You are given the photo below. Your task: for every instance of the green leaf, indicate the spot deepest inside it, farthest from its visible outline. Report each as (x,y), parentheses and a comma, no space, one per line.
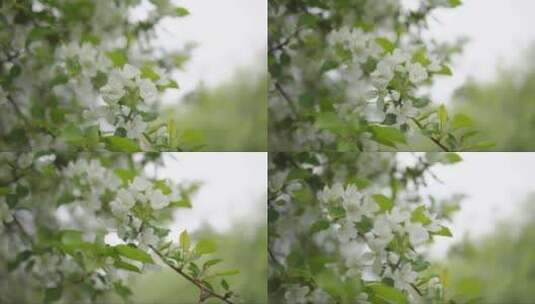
(118,57)
(173,137)
(121,144)
(72,134)
(455,3)
(162,186)
(147,72)
(307,20)
(387,136)
(445,70)
(319,226)
(387,293)
(22,191)
(126,175)
(453,158)
(15,71)
(224,284)
(205,247)
(420,56)
(126,266)
(444,231)
(181,12)
(385,203)
(71,238)
(386,44)
(442,116)
(461,121)
(53,294)
(330,121)
(12,200)
(418,216)
(4,191)
(211,263)
(21,257)
(328,65)
(224,273)
(184,240)
(134,253)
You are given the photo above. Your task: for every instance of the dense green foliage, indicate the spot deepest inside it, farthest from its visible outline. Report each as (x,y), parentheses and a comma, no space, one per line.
(352,228)
(504,107)
(355,76)
(229,117)
(85,75)
(498,267)
(57,209)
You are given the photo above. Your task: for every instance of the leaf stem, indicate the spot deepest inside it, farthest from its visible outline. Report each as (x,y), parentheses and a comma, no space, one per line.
(203,289)
(434,140)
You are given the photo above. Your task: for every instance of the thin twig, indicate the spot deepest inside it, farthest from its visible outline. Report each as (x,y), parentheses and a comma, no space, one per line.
(287,98)
(200,285)
(17,110)
(284,42)
(437,142)
(272,256)
(26,234)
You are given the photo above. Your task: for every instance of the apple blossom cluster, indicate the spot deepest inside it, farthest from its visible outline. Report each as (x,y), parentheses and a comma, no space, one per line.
(355,81)
(367,233)
(131,204)
(124,102)
(57,210)
(82,74)
(369,253)
(391,87)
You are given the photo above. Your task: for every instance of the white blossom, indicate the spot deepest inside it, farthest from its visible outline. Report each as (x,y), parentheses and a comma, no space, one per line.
(147,90)
(141,184)
(135,127)
(417,73)
(158,200)
(417,233)
(296,294)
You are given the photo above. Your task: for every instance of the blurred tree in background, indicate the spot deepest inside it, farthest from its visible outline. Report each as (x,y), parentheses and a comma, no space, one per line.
(499,267)
(243,247)
(229,117)
(504,108)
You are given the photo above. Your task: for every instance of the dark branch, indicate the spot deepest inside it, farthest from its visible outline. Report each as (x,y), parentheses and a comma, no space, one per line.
(205,291)
(287,98)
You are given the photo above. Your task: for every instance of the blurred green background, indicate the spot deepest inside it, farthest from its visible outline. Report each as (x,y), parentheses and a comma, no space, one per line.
(244,247)
(498,267)
(504,108)
(229,117)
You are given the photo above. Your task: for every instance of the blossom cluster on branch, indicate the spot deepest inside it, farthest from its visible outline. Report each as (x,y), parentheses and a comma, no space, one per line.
(356,76)
(58,212)
(85,75)
(352,228)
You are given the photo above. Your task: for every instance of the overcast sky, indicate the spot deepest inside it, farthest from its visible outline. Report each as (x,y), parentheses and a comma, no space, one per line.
(496,184)
(498,31)
(230,35)
(233,190)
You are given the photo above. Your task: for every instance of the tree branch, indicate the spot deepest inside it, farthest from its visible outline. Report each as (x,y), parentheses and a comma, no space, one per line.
(17,110)
(284,42)
(437,142)
(287,98)
(205,291)
(434,140)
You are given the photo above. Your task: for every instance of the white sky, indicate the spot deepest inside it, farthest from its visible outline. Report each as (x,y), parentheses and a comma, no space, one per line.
(496,185)
(233,190)
(229,34)
(499,31)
